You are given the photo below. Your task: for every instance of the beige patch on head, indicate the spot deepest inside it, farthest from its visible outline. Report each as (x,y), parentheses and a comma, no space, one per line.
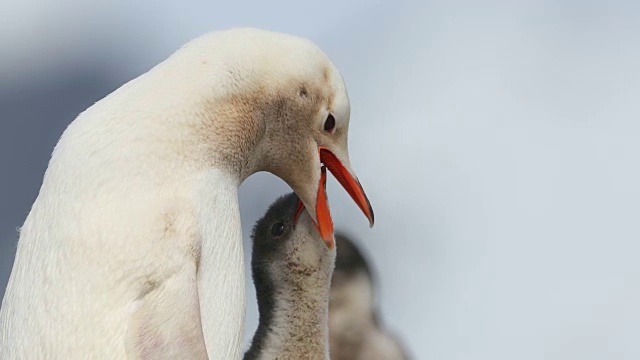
(229,128)
(237,123)
(269,126)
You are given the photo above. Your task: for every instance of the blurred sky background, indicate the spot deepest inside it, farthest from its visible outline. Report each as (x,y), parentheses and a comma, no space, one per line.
(499,143)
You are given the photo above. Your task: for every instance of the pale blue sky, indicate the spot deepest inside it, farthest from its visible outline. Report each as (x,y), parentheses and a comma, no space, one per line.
(498,143)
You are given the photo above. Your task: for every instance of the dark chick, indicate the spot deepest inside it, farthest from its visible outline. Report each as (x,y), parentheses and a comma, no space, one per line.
(292,268)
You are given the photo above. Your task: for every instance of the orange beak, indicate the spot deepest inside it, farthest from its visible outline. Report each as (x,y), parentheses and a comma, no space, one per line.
(325,223)
(350,183)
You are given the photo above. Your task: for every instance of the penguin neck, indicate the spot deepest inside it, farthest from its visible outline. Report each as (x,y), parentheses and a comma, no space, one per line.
(293,317)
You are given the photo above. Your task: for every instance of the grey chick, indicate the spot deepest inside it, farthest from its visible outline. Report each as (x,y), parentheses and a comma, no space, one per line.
(292,269)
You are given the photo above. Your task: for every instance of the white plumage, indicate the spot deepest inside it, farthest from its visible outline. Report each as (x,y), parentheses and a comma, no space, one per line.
(133,247)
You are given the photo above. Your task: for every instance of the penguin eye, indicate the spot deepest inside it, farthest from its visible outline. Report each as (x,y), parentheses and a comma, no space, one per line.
(277,229)
(330,124)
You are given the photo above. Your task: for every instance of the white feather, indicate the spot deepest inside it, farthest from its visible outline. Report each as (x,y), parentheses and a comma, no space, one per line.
(133,247)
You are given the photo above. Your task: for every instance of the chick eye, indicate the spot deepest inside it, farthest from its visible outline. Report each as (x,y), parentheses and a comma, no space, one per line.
(330,123)
(277,229)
